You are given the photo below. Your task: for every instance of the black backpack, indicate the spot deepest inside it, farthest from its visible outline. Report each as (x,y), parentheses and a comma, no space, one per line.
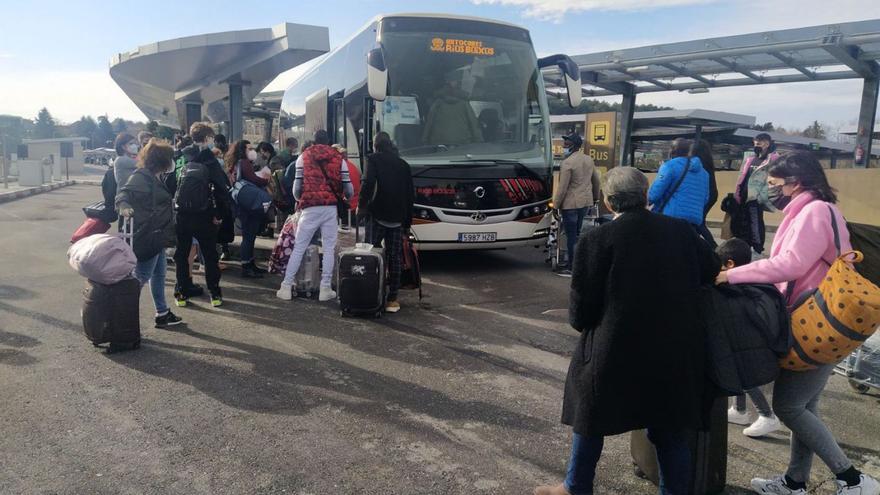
(193,193)
(747,331)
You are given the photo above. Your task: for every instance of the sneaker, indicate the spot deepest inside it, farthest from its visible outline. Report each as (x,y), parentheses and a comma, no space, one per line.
(285,292)
(564,273)
(326,294)
(180,300)
(392,307)
(216,299)
(256,268)
(737,417)
(169,319)
(867,486)
(763,427)
(775,486)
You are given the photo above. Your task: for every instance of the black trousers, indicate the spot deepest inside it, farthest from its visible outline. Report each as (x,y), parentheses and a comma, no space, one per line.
(202,228)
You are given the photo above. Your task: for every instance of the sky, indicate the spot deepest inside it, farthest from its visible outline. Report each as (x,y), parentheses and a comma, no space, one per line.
(61,59)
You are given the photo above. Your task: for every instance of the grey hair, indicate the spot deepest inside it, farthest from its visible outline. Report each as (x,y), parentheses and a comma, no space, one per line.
(625,188)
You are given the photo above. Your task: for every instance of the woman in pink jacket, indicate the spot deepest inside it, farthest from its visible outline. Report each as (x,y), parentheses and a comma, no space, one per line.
(802,251)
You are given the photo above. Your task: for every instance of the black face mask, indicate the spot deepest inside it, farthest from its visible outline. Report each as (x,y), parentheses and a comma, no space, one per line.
(759,151)
(777,198)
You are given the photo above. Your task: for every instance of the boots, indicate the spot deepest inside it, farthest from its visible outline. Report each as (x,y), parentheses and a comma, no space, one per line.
(250,270)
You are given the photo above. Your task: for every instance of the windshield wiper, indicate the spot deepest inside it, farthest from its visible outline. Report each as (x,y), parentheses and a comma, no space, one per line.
(503,161)
(450,165)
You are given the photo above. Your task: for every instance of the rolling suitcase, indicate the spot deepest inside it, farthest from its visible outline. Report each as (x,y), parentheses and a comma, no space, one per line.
(708,448)
(361,280)
(308,278)
(111,312)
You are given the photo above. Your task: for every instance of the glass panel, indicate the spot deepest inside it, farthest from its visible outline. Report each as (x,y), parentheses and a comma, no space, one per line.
(454,97)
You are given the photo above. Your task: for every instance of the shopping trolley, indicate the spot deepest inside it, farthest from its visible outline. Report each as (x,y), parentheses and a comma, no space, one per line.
(862,367)
(554,248)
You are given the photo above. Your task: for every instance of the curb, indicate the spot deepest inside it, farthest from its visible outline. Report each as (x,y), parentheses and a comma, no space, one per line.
(24,193)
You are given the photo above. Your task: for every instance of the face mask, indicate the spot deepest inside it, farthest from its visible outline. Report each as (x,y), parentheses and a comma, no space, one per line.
(777,198)
(132,148)
(209,145)
(759,151)
(252,155)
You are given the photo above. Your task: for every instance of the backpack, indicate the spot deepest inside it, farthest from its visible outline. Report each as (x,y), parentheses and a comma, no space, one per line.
(747,331)
(108,191)
(193,189)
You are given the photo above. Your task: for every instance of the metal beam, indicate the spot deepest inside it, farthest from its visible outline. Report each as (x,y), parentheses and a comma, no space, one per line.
(867,117)
(193,114)
(236,120)
(592,78)
(636,77)
(687,73)
(627,111)
(849,56)
(727,83)
(732,66)
(793,64)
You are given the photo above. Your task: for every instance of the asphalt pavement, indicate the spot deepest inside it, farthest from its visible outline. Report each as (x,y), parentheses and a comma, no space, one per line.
(459,393)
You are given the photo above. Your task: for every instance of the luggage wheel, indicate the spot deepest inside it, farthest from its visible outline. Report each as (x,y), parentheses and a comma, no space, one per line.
(860,388)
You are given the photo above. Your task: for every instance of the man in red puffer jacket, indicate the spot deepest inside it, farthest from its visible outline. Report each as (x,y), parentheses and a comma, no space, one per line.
(321,182)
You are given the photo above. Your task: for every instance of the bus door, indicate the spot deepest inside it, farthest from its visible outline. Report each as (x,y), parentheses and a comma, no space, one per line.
(336,118)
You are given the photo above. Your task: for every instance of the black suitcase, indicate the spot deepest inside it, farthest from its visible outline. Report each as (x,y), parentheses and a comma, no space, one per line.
(709,450)
(360,274)
(111,314)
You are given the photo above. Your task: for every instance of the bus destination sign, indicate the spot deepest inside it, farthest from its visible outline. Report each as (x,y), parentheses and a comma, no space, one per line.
(468,47)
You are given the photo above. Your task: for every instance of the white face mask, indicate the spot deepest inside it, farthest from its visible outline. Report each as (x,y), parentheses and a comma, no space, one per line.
(132,148)
(209,143)
(252,155)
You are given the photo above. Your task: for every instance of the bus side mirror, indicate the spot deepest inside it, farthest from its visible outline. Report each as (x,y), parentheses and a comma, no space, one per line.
(377,75)
(571,74)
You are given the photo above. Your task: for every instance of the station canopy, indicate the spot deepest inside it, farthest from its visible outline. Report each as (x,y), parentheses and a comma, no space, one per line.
(819,53)
(165,78)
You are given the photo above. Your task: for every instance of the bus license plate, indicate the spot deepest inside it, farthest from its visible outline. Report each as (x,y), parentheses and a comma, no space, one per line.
(477,237)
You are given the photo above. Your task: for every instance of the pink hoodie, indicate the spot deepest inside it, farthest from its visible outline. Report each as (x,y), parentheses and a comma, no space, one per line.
(802,250)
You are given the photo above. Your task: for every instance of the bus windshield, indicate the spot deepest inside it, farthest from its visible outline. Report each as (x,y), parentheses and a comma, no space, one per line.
(463,96)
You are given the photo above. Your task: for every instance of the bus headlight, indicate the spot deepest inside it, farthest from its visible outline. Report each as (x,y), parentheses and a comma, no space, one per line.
(425,215)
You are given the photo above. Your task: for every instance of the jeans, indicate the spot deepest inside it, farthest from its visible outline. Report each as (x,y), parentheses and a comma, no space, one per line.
(251,221)
(312,219)
(393,238)
(572,220)
(759,400)
(796,403)
(153,271)
(202,228)
(673,456)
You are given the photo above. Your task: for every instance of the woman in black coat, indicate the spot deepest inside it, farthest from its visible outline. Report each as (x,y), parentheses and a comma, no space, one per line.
(145,199)
(639,361)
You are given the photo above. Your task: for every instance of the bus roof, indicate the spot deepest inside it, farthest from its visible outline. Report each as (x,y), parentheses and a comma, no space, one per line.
(448,16)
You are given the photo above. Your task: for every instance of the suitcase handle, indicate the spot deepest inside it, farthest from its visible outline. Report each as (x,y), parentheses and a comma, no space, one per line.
(128,230)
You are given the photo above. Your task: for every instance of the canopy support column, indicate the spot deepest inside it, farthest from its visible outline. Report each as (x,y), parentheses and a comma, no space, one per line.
(867,117)
(627,110)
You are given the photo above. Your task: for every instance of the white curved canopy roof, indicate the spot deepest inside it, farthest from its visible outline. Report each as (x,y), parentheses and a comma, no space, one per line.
(162,77)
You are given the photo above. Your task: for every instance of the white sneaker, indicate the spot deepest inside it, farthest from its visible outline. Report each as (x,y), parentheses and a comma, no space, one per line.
(738,418)
(326,294)
(867,486)
(775,486)
(763,427)
(285,292)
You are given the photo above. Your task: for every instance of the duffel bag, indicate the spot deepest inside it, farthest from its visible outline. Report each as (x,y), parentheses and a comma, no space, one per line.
(103,258)
(830,322)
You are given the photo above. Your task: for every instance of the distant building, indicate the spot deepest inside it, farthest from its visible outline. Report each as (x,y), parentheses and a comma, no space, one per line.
(39,149)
